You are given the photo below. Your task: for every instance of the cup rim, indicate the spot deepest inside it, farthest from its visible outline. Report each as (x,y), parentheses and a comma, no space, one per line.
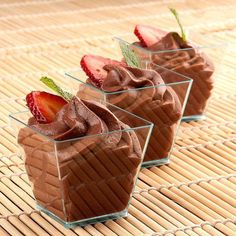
(187,80)
(149,125)
(194,46)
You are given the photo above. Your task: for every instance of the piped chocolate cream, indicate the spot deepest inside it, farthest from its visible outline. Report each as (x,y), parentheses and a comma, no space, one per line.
(189,61)
(83,174)
(137,91)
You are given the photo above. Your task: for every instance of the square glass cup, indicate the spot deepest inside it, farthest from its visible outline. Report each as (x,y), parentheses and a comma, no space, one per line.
(83,180)
(204,74)
(162,104)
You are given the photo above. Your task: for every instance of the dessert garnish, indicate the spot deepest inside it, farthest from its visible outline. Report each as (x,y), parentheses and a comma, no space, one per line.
(53,86)
(93,67)
(148,35)
(176,15)
(44,106)
(130,57)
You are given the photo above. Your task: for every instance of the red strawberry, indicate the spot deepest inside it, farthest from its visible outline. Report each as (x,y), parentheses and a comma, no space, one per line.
(148,35)
(44,106)
(93,67)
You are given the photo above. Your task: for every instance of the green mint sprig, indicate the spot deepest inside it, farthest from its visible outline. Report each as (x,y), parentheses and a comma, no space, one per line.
(131,58)
(175,13)
(53,86)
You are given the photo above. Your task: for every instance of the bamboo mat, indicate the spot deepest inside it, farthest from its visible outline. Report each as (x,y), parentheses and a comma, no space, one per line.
(196,193)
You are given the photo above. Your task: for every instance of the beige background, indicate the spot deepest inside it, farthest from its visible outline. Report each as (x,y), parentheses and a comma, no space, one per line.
(48,37)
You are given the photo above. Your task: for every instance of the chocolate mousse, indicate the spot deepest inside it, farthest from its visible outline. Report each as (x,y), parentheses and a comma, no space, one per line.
(188,60)
(75,172)
(135,92)
(172,51)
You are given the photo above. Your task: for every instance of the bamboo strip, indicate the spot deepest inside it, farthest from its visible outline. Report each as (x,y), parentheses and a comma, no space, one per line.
(91,230)
(129,227)
(3,232)
(168,213)
(189,183)
(222,188)
(200,195)
(228,8)
(140,225)
(116,228)
(223,195)
(227,183)
(45,224)
(22,227)
(142,217)
(211,230)
(14,198)
(205,163)
(81,231)
(104,230)
(18,191)
(59,227)
(220,225)
(73,40)
(10,228)
(176,207)
(158,218)
(193,205)
(224,229)
(16,4)
(32,225)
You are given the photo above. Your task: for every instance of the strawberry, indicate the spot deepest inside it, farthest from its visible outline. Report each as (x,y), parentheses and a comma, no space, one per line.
(44,106)
(148,35)
(93,67)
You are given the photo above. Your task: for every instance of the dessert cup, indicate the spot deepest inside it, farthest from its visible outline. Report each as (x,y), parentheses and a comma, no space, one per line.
(86,179)
(200,63)
(164,109)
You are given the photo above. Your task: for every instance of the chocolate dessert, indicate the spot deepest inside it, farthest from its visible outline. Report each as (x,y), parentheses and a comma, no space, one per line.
(159,105)
(189,61)
(77,166)
(174,52)
(138,91)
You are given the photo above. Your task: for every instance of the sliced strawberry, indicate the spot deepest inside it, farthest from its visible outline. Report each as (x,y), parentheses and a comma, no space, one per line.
(44,106)
(148,35)
(93,67)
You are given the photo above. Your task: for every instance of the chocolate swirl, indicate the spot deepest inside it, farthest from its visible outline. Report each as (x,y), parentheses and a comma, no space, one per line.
(189,61)
(144,86)
(137,91)
(81,178)
(80,118)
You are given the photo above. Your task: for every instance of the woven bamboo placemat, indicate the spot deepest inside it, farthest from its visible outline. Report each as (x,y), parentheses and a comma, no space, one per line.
(196,193)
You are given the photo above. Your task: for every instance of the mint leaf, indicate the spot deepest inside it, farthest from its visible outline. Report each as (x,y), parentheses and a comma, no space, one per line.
(131,58)
(175,13)
(53,86)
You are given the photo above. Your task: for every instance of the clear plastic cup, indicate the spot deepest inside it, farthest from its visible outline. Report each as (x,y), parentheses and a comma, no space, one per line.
(190,62)
(164,110)
(83,180)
